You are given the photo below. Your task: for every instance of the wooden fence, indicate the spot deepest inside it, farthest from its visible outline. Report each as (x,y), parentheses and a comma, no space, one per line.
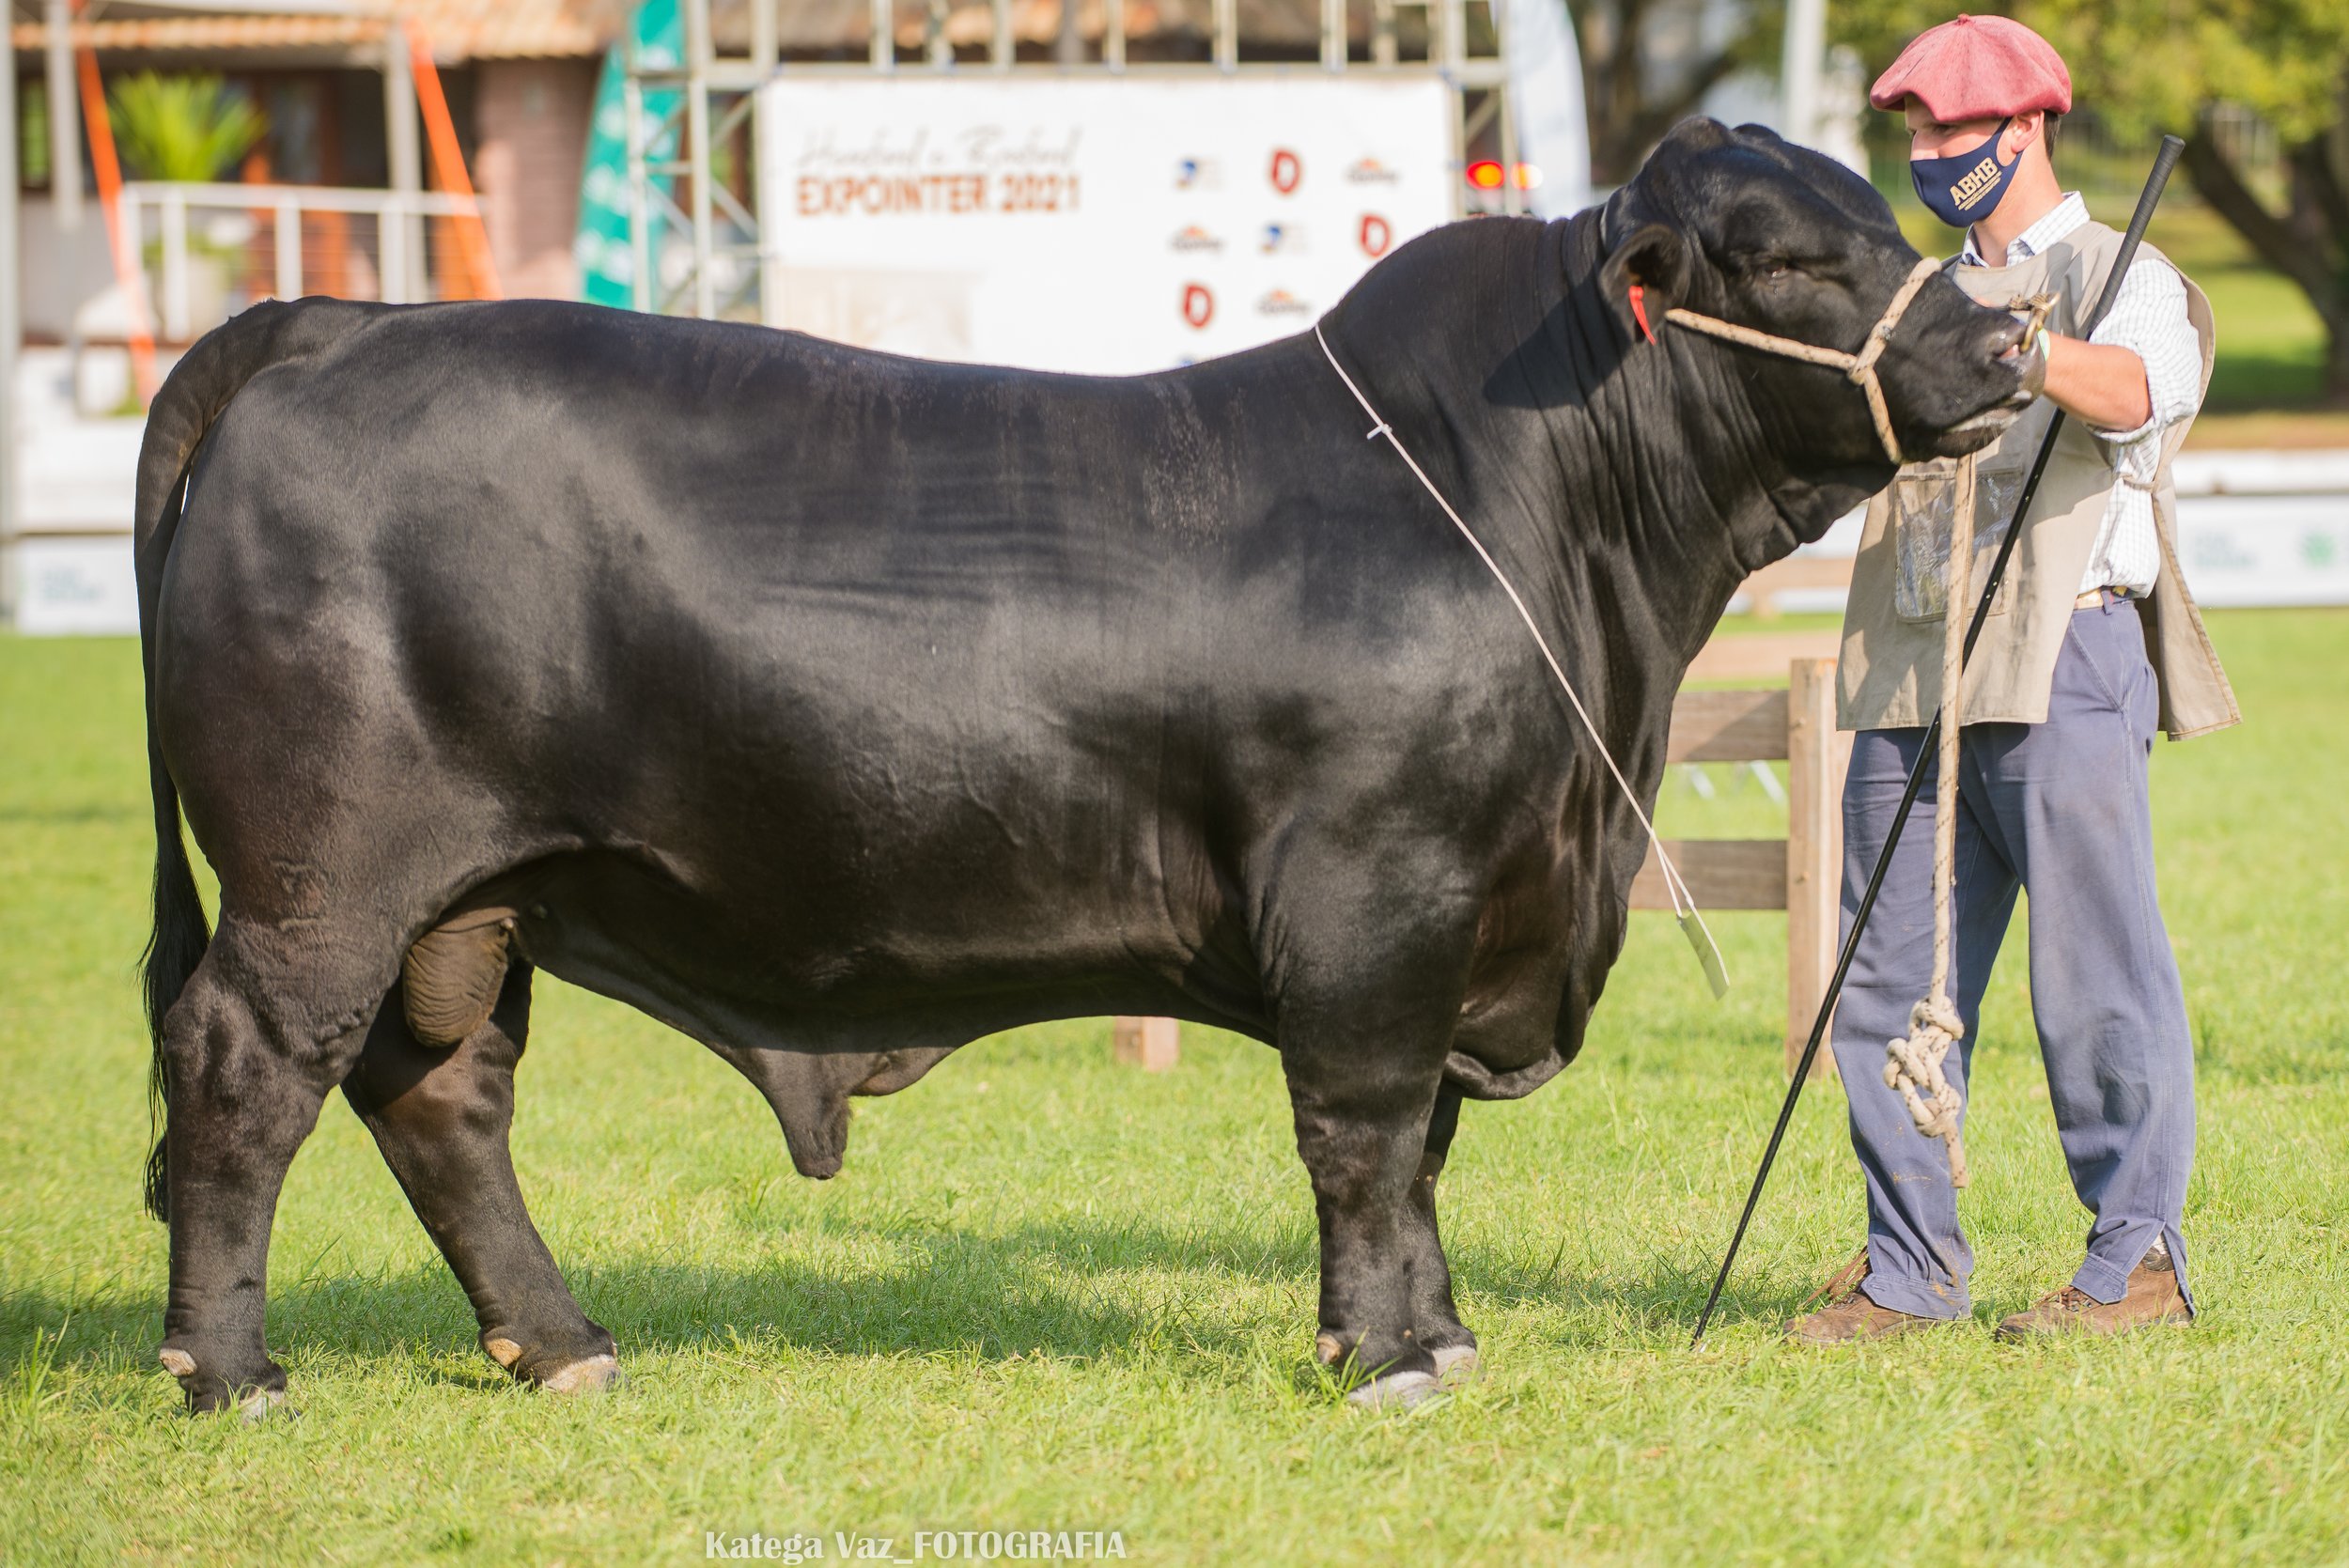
(1795,574)
(1802,874)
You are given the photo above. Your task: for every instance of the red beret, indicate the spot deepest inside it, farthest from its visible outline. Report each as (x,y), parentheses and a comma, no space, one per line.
(1977,68)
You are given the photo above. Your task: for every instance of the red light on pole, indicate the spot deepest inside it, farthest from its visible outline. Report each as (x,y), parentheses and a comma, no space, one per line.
(1486,174)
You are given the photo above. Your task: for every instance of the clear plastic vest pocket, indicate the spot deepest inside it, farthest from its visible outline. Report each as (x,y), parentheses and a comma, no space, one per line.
(1925,503)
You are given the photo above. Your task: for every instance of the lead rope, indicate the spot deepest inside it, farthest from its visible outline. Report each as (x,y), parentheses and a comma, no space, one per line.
(1913,1066)
(1684,902)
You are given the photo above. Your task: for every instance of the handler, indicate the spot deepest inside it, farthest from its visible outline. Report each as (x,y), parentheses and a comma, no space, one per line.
(2094,643)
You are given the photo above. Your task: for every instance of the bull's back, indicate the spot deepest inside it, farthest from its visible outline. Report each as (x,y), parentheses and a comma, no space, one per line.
(869,637)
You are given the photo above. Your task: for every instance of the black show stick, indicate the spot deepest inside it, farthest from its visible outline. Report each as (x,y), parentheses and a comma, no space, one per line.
(2163,162)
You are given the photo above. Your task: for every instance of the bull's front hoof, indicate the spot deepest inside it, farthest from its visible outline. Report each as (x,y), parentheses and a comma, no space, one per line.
(1396,1391)
(208,1393)
(1456,1364)
(576,1368)
(265,1404)
(591,1376)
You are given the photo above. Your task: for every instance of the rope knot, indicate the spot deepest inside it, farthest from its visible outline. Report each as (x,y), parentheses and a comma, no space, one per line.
(1937,1012)
(1912,1067)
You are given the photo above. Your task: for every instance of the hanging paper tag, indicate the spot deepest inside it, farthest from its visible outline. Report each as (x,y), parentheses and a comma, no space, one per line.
(1708,952)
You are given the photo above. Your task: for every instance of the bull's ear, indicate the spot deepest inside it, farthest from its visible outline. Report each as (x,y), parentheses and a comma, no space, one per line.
(1653,258)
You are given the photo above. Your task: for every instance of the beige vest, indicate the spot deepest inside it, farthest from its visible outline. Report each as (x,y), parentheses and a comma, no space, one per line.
(1890,673)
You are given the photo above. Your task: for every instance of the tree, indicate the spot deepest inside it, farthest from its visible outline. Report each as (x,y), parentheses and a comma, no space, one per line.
(1647,64)
(2148,66)
(187,128)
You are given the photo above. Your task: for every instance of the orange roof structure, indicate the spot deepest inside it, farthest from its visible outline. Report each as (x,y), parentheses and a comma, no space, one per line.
(166,33)
(516,29)
(460,29)
(464,30)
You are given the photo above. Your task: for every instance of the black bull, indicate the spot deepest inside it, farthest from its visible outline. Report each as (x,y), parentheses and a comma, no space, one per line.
(838,708)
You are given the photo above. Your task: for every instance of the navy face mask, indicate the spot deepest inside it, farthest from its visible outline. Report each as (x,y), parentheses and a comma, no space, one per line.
(1967,185)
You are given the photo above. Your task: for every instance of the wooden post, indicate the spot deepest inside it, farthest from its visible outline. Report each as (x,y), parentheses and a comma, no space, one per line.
(1154,1045)
(65,139)
(11,301)
(399,231)
(1817,755)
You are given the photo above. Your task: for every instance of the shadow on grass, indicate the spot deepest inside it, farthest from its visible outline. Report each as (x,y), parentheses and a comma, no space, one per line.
(1072,1290)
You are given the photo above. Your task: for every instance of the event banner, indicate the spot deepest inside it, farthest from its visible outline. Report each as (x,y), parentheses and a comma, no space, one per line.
(1101,225)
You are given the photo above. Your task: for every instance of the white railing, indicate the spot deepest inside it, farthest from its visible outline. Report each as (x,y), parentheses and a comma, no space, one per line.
(210,250)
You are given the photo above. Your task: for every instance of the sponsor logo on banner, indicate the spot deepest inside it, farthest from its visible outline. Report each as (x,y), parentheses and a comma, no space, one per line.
(1376,235)
(1280,302)
(1192,237)
(1369,171)
(1198,174)
(1198,304)
(1286,172)
(1282,239)
(985,168)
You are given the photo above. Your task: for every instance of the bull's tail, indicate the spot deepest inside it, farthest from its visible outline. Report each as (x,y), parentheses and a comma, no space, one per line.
(192,397)
(180,936)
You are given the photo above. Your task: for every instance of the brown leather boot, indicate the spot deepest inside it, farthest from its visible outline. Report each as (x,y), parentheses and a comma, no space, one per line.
(1849,1316)
(2153,1296)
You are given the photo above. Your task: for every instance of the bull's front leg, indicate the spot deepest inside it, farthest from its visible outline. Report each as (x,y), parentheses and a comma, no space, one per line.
(1363,1099)
(1436,1320)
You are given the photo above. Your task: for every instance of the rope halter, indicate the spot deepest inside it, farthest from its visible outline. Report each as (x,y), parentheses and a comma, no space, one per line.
(1859,369)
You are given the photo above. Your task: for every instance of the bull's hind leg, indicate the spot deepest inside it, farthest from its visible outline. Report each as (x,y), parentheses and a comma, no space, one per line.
(1436,1321)
(442,1115)
(250,1052)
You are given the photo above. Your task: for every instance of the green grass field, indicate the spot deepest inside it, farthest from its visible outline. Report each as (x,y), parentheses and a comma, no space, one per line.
(1051,1294)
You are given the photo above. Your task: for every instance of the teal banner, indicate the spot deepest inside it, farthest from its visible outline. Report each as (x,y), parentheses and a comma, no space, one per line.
(606,256)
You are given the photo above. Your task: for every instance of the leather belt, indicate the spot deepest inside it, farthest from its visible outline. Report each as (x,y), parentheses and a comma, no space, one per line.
(2098,597)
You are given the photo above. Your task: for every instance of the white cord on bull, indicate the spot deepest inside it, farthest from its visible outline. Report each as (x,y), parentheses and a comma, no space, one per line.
(1684,902)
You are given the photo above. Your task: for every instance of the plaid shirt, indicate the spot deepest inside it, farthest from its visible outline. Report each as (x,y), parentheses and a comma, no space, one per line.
(2148,319)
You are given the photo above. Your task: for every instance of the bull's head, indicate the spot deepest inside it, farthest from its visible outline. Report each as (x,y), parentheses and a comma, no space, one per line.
(1744,226)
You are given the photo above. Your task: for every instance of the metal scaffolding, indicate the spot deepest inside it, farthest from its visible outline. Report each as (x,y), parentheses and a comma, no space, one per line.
(717,94)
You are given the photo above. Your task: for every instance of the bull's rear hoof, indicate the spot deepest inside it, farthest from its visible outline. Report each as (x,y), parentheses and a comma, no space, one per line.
(1456,1364)
(1398,1390)
(591,1376)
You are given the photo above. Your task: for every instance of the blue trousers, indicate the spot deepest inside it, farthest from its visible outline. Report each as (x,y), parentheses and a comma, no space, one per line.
(2060,809)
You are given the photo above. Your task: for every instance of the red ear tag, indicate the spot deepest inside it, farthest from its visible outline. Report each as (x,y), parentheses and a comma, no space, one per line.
(1639,311)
